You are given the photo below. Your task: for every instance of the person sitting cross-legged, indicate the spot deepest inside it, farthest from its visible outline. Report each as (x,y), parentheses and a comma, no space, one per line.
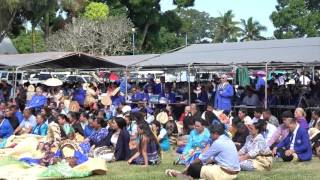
(220,161)
(296,146)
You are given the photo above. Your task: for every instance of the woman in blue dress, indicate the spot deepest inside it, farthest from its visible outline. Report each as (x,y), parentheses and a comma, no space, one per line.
(161,135)
(198,140)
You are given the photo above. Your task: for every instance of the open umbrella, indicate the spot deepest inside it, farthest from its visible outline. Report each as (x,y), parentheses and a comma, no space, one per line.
(53,82)
(113,77)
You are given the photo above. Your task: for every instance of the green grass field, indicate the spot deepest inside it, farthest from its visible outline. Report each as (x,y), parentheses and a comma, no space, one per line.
(280,170)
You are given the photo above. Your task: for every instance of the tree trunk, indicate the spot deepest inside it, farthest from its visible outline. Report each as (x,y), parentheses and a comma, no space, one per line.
(5,31)
(47,30)
(144,35)
(33,37)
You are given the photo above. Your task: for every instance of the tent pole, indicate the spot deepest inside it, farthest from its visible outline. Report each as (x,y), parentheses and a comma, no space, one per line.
(15,83)
(126,83)
(312,73)
(189,84)
(266,87)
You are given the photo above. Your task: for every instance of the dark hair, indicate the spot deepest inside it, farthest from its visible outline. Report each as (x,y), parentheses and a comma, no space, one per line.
(120,122)
(201,121)
(138,117)
(84,114)
(267,111)
(260,125)
(287,114)
(236,120)
(217,128)
(47,110)
(158,124)
(73,115)
(63,116)
(100,121)
(210,116)
(317,112)
(42,116)
(244,111)
(258,110)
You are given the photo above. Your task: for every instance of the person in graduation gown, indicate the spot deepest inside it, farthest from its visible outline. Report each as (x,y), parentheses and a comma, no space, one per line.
(160,88)
(79,94)
(224,95)
(137,95)
(170,96)
(38,100)
(5,127)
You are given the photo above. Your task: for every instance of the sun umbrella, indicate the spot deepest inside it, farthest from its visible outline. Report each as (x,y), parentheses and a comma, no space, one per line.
(53,82)
(261,73)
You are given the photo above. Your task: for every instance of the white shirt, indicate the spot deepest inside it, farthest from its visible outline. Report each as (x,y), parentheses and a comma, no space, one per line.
(163,133)
(304,80)
(294,137)
(251,101)
(271,129)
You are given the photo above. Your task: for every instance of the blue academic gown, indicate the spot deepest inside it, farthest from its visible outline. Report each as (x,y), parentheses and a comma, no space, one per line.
(223,98)
(158,89)
(117,100)
(79,95)
(5,129)
(302,145)
(138,96)
(171,97)
(123,86)
(19,116)
(260,83)
(37,101)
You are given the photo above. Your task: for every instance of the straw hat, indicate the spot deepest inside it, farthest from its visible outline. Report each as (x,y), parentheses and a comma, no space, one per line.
(106,99)
(31,88)
(115,91)
(95,165)
(68,147)
(74,106)
(126,109)
(53,82)
(162,117)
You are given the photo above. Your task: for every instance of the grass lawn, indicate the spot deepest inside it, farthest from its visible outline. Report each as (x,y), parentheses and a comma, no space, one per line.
(280,170)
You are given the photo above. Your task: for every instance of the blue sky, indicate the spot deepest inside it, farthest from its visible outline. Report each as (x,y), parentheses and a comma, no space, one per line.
(260,10)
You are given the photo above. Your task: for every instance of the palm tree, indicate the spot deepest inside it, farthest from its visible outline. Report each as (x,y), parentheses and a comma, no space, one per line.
(251,30)
(226,30)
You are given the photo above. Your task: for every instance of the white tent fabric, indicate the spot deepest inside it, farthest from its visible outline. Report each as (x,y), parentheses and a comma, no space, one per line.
(255,52)
(6,47)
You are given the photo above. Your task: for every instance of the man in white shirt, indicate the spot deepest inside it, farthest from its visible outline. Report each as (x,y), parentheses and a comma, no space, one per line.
(251,99)
(304,80)
(28,122)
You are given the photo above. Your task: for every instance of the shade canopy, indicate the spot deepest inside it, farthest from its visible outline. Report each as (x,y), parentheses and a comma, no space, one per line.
(304,50)
(129,60)
(55,60)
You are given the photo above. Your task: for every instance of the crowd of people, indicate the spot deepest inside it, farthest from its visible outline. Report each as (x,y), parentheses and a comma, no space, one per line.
(137,123)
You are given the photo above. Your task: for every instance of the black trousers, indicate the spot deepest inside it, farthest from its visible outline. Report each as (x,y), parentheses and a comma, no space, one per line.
(281,152)
(194,170)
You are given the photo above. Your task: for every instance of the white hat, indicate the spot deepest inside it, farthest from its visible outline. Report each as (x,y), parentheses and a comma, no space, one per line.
(126,109)
(248,120)
(162,117)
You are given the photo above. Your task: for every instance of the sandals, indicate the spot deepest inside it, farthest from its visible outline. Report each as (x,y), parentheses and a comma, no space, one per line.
(172,172)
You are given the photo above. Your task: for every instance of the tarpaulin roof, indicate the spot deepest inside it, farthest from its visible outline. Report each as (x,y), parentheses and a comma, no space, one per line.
(253,52)
(129,60)
(55,60)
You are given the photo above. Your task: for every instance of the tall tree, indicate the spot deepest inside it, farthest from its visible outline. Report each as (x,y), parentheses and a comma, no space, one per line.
(96,11)
(226,29)
(195,24)
(296,18)
(8,11)
(252,30)
(108,36)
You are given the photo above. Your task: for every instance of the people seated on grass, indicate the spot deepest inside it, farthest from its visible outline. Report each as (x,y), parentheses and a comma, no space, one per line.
(13,120)
(118,139)
(148,149)
(296,146)
(241,134)
(197,142)
(255,154)
(315,118)
(281,132)
(27,124)
(243,116)
(66,129)
(314,134)
(5,130)
(270,129)
(161,134)
(220,161)
(41,127)
(300,116)
(267,116)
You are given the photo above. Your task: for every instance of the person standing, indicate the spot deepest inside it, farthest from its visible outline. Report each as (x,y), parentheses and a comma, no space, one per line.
(224,95)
